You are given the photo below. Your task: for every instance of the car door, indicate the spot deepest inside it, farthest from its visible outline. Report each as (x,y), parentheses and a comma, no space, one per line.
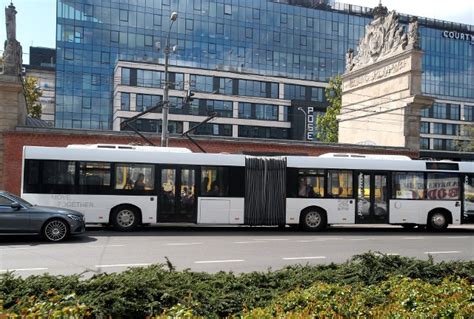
(12,219)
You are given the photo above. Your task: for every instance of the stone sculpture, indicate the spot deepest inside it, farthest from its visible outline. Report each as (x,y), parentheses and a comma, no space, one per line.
(384,36)
(12,54)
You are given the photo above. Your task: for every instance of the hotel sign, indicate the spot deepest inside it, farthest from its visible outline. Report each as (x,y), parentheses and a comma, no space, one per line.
(459,36)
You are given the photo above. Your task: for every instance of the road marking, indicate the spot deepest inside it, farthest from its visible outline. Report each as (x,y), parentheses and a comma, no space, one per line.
(13,248)
(413,238)
(443,252)
(104,246)
(360,239)
(460,237)
(23,269)
(122,265)
(219,261)
(392,254)
(268,239)
(310,257)
(182,244)
(249,242)
(316,240)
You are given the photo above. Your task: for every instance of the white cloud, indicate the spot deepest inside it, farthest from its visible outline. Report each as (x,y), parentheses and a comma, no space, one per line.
(461,11)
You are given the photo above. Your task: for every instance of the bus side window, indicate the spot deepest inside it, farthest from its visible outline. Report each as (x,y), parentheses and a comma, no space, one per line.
(340,184)
(469,193)
(215,181)
(135,177)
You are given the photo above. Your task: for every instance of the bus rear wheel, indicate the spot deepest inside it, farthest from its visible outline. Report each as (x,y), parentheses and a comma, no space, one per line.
(313,220)
(437,221)
(125,218)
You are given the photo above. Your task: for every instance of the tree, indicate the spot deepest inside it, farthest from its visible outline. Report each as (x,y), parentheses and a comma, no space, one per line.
(467,142)
(32,95)
(327,125)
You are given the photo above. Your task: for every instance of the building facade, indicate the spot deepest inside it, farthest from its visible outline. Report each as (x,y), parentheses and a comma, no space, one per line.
(261,65)
(42,67)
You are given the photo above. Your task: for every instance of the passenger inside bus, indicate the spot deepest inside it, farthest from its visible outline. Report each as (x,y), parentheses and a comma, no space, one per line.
(305,189)
(215,189)
(205,185)
(139,182)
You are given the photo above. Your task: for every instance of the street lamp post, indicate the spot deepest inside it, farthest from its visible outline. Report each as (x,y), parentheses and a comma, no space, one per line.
(305,121)
(166,106)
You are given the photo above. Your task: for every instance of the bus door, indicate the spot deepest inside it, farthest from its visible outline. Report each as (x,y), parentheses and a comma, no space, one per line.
(372,198)
(177,195)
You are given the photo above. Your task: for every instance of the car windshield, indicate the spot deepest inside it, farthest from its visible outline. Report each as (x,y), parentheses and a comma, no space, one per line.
(19,200)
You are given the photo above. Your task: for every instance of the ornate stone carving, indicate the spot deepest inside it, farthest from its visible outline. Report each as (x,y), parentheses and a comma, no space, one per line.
(12,54)
(384,36)
(413,34)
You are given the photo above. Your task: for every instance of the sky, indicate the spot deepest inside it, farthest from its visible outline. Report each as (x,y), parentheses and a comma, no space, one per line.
(36,19)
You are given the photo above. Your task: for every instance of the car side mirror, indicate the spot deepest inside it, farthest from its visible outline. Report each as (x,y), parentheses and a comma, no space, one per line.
(15,206)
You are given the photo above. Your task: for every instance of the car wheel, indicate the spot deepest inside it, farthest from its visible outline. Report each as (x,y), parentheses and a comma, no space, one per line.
(313,220)
(55,230)
(437,221)
(125,218)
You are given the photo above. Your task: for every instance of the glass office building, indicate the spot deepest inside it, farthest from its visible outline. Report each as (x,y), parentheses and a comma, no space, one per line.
(252,61)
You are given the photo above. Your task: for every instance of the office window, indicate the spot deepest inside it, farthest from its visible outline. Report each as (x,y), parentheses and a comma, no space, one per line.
(303,40)
(438,128)
(219,28)
(276,36)
(469,113)
(255,13)
(424,143)
(228,9)
(439,111)
(123,15)
(189,24)
(439,144)
(425,127)
(454,111)
(125,101)
(248,33)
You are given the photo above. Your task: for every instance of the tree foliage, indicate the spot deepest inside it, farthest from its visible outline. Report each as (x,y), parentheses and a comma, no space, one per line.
(327,124)
(32,95)
(467,142)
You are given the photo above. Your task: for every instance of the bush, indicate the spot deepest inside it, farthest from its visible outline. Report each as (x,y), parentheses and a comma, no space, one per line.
(158,289)
(397,297)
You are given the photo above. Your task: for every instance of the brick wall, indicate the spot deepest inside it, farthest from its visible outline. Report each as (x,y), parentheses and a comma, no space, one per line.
(15,140)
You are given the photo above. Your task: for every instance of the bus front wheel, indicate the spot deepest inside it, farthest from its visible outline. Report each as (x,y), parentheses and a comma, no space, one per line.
(437,221)
(313,220)
(125,218)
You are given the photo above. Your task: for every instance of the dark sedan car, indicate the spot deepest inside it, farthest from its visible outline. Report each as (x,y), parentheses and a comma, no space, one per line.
(54,224)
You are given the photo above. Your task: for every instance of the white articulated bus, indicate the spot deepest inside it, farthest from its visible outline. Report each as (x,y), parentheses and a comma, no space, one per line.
(128,186)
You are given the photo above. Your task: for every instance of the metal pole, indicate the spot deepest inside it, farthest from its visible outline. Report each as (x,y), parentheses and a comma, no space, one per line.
(305,122)
(164,127)
(166,103)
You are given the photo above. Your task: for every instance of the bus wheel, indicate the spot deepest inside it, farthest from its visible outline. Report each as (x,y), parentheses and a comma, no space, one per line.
(313,220)
(437,221)
(125,218)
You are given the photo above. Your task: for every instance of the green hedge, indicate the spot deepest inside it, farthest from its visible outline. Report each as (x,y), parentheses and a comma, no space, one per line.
(397,297)
(140,292)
